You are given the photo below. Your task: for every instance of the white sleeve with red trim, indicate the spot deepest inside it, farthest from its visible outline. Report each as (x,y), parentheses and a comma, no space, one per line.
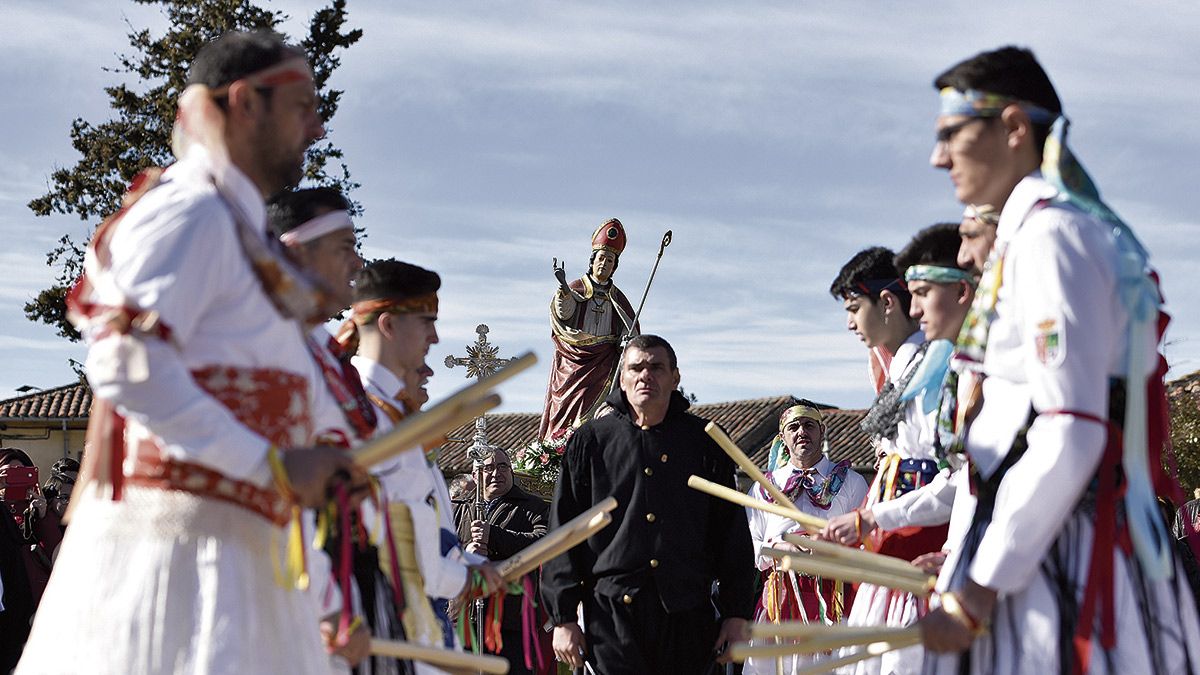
(176,253)
(926,506)
(1057,337)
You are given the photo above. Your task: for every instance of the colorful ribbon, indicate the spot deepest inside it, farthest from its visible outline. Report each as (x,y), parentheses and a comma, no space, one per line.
(975,103)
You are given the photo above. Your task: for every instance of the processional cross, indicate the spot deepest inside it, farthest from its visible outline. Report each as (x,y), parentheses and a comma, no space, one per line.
(481,361)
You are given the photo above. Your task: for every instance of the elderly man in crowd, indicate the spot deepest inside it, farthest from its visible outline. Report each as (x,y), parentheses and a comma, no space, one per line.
(505,522)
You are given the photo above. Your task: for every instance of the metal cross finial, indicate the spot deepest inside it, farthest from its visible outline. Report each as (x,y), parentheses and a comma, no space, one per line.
(481,359)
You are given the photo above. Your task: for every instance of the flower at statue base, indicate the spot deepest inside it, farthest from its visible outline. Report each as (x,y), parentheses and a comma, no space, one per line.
(542,459)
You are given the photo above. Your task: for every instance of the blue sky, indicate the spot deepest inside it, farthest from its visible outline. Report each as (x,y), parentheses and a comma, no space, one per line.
(774,138)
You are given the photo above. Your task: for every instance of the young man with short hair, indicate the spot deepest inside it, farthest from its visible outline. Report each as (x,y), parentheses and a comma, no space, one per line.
(876,304)
(393,321)
(1066,565)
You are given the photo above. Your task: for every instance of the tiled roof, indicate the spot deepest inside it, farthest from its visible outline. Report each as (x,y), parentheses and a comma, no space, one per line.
(846,439)
(750,423)
(71,401)
(1188,385)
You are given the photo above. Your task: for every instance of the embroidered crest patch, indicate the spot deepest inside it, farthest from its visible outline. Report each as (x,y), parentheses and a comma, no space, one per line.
(1049,343)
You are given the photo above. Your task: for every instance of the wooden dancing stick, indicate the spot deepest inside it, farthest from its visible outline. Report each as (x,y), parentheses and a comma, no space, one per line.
(840,636)
(857,557)
(443,658)
(735,453)
(423,427)
(890,639)
(555,543)
(831,569)
(812,523)
(464,405)
(801,630)
(869,652)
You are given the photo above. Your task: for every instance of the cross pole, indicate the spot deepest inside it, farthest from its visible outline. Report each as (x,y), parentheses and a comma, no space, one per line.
(481,361)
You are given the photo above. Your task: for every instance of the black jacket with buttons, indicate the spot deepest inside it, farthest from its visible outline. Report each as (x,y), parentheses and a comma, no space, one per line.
(662,530)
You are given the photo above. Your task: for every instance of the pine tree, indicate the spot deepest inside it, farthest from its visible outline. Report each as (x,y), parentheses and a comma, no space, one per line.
(113,152)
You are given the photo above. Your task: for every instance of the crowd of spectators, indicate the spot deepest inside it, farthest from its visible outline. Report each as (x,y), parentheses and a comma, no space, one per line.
(31,529)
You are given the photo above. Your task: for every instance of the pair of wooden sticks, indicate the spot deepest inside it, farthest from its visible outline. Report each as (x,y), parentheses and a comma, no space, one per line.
(562,539)
(461,407)
(825,559)
(815,638)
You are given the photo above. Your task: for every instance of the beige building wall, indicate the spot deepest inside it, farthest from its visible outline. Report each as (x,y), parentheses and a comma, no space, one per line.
(45,444)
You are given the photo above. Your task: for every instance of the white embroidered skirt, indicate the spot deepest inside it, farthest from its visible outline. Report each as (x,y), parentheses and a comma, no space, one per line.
(168,582)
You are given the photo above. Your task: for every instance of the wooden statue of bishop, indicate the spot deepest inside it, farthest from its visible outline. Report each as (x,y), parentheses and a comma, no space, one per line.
(589,318)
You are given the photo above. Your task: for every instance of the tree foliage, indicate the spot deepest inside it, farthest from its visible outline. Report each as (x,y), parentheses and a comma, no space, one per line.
(138,136)
(1185,432)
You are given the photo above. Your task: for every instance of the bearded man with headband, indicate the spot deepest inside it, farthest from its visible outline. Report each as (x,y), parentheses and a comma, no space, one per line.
(196,454)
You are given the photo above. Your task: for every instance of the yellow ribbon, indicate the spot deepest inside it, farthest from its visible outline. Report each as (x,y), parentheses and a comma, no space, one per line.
(292,572)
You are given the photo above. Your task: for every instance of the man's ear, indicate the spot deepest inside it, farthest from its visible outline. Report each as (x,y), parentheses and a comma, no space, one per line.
(1018,128)
(242,99)
(386,324)
(965,293)
(888,301)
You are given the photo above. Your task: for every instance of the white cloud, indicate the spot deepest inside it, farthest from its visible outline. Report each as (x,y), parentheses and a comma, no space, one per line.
(774,138)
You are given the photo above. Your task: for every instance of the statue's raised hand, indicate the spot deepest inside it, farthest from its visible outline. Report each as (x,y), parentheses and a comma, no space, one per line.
(560,273)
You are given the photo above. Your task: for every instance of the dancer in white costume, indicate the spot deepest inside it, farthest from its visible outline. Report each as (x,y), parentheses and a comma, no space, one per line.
(394,319)
(1066,566)
(817,486)
(941,294)
(315,226)
(877,304)
(171,562)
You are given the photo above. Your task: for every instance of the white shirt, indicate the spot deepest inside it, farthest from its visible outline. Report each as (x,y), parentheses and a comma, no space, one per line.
(913,433)
(176,252)
(1058,278)
(410,478)
(767,529)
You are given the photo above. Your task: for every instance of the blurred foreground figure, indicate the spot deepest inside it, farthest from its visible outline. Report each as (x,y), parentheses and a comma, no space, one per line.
(1067,565)
(197,455)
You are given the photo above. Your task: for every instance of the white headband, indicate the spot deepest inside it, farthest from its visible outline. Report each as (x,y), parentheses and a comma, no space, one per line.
(316,228)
